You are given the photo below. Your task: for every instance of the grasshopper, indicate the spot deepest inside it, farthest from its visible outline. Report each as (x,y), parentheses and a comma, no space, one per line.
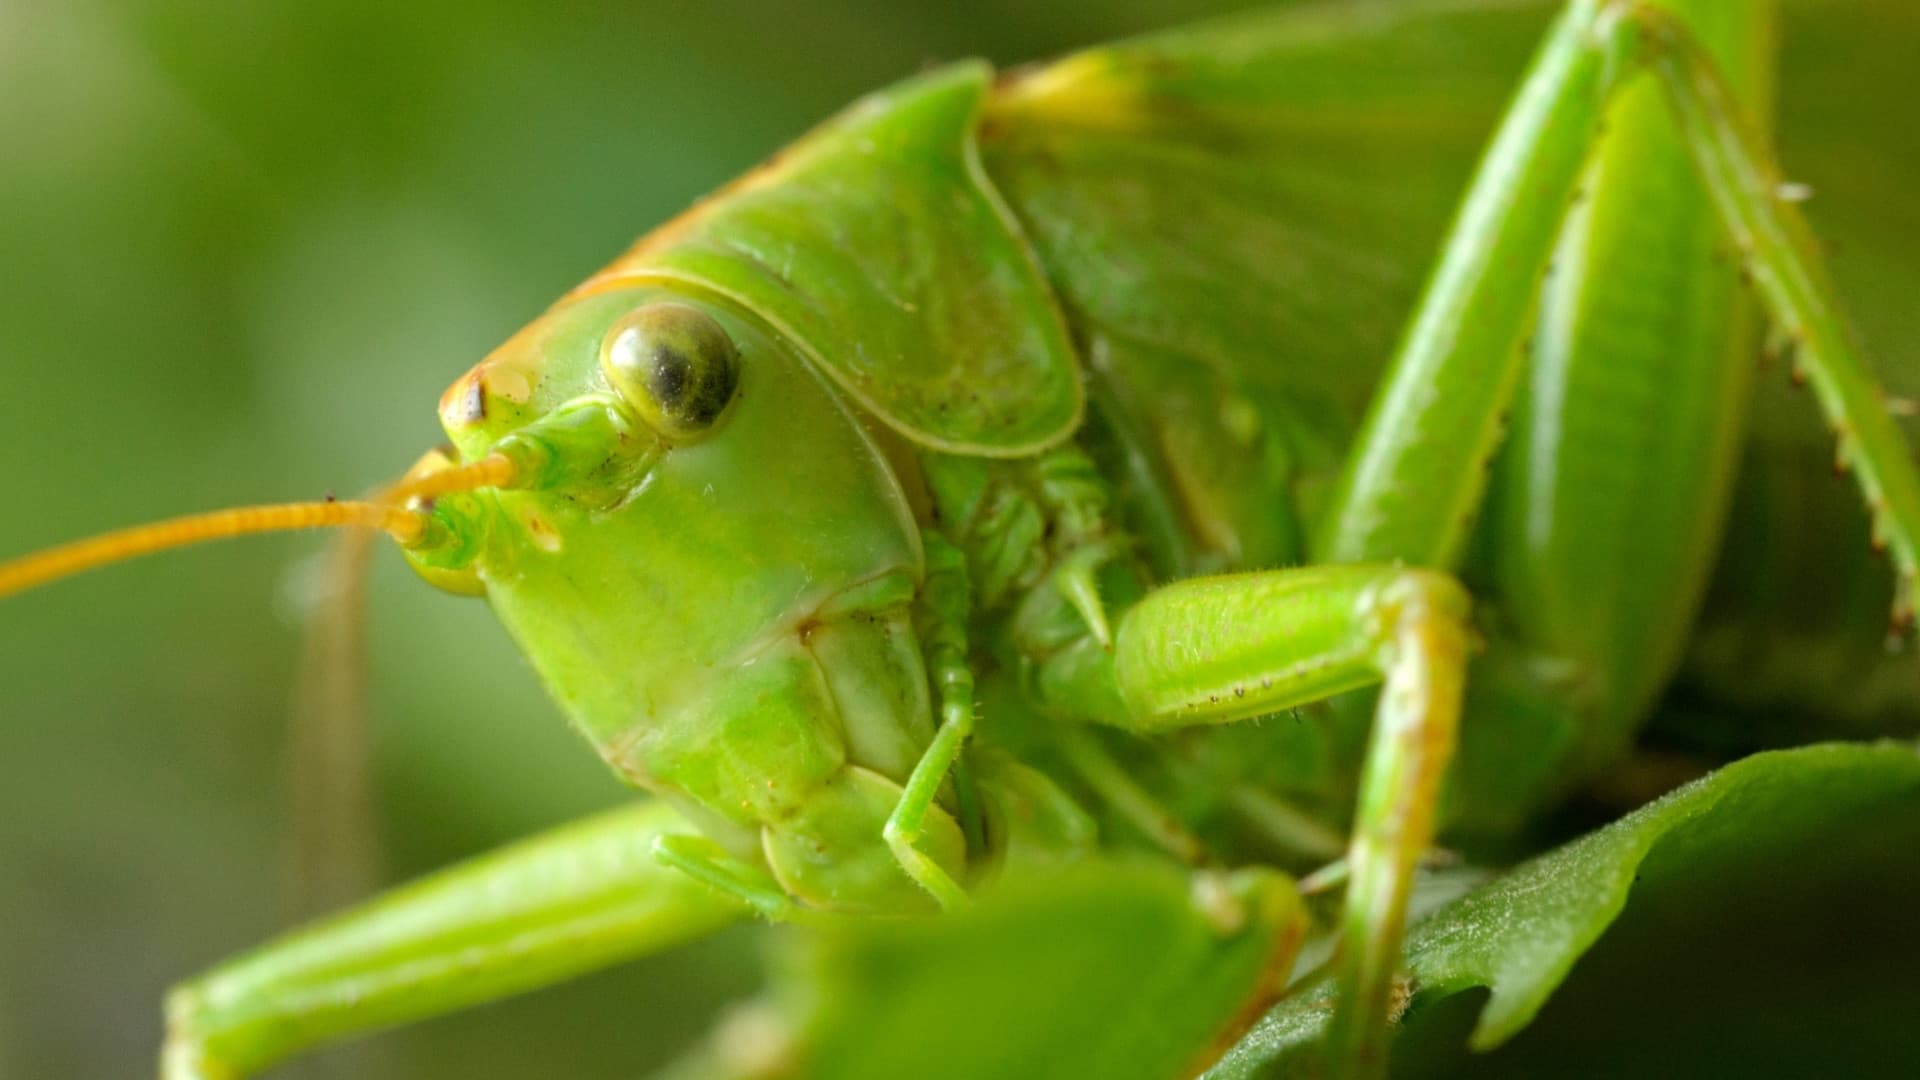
(878,512)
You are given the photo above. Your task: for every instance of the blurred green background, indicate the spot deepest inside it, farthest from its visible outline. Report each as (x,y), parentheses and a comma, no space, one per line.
(243,247)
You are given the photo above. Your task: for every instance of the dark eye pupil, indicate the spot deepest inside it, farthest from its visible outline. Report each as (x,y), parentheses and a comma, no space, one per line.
(668,377)
(674,365)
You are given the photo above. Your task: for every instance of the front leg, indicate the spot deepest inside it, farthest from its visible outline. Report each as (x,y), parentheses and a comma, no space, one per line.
(583,897)
(942,619)
(1211,650)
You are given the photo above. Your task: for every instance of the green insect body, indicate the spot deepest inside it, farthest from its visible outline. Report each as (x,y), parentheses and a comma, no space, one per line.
(791,703)
(915,512)
(787,247)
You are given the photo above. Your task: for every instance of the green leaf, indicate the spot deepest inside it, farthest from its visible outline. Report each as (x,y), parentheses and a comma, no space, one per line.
(1114,970)
(1767,821)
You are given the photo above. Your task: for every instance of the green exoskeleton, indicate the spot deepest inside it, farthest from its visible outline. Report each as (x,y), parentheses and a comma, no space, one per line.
(893,515)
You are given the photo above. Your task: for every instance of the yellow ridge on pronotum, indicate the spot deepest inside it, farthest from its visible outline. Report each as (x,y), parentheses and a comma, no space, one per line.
(405,526)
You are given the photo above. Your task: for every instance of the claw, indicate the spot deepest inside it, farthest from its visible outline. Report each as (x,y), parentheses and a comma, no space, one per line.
(1075,581)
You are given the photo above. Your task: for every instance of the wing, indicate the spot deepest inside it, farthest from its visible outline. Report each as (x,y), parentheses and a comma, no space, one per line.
(1237,218)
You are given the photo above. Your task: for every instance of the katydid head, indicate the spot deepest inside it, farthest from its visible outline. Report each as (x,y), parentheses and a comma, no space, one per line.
(685,488)
(709,562)
(701,550)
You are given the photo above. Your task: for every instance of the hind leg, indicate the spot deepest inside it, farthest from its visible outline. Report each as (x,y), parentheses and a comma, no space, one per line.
(582,897)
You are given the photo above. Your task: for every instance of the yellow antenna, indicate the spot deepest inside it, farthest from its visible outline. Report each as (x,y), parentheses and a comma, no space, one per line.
(54,563)
(495,470)
(385,511)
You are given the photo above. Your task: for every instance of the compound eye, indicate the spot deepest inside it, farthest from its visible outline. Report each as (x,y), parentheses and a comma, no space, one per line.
(674,365)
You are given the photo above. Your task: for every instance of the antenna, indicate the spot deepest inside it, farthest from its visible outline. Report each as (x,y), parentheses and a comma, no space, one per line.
(385,511)
(52,564)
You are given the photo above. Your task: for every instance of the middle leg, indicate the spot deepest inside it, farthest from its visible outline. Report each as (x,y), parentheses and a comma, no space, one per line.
(1213,650)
